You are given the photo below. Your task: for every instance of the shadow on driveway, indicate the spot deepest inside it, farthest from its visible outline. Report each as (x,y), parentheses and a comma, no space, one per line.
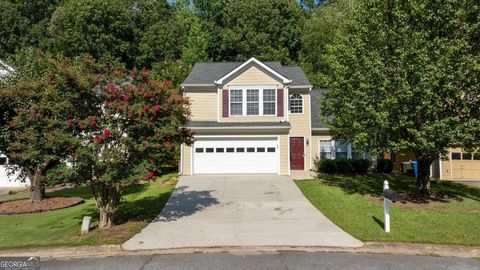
(184,203)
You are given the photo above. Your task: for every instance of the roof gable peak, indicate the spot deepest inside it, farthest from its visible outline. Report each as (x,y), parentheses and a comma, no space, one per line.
(250,62)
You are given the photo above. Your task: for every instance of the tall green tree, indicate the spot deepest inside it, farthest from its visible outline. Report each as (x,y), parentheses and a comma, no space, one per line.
(24,24)
(406,78)
(322,29)
(239,29)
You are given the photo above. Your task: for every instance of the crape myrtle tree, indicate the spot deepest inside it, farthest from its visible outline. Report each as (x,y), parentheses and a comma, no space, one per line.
(35,137)
(138,122)
(406,78)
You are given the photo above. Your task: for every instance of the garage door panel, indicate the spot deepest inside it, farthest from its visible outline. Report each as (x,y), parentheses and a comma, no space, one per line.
(466,169)
(252,155)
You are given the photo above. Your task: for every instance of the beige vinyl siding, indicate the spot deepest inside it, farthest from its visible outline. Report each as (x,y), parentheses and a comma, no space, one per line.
(315,146)
(284,158)
(301,125)
(187,159)
(253,75)
(203,104)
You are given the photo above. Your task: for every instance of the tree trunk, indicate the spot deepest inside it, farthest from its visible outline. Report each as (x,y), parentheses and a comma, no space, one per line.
(423,178)
(107,197)
(37,192)
(106,219)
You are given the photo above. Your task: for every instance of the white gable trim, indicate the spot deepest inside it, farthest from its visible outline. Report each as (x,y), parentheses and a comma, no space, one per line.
(255,61)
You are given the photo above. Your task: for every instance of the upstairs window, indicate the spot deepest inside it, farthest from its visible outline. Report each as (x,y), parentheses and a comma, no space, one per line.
(236,102)
(253,101)
(296,103)
(269,98)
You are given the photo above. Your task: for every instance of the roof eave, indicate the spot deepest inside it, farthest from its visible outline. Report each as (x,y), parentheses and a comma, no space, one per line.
(197,84)
(301,86)
(236,127)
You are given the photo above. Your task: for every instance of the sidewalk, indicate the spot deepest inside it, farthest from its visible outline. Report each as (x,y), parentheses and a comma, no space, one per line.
(369,247)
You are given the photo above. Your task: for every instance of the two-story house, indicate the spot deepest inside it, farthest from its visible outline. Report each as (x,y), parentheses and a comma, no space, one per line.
(253,117)
(262,117)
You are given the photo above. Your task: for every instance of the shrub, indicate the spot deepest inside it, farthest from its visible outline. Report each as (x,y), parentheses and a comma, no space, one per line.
(342,166)
(384,165)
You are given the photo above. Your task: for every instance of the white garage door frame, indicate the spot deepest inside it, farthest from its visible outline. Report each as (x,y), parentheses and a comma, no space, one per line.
(273,137)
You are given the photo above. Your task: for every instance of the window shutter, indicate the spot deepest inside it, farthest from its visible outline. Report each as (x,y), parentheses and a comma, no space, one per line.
(225,103)
(279,102)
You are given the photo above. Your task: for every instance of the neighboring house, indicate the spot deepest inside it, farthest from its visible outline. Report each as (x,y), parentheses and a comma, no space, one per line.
(5,179)
(255,117)
(458,164)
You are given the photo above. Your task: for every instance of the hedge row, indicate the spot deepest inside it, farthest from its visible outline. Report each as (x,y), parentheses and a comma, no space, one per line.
(343,166)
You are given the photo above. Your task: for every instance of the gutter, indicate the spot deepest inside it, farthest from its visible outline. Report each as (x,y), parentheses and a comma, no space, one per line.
(245,127)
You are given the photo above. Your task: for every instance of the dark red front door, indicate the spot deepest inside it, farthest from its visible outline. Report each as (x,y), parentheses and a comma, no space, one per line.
(296,153)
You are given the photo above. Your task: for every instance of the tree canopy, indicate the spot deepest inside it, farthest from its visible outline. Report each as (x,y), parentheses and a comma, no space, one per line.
(402,83)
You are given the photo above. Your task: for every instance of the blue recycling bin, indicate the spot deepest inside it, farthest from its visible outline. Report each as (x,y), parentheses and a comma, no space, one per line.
(415,168)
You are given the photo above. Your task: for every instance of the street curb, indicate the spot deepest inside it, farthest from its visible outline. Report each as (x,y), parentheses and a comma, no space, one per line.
(369,247)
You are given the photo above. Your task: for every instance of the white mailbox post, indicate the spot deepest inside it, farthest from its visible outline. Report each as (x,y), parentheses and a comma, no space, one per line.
(389,196)
(386,208)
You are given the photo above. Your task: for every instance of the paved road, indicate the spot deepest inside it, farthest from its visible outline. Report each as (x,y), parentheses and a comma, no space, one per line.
(239,210)
(272,260)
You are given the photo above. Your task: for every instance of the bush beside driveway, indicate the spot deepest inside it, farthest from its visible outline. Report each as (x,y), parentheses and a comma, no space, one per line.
(62,227)
(355,204)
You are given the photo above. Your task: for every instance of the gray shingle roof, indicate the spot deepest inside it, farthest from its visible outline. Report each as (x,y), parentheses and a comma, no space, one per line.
(315,95)
(208,72)
(215,124)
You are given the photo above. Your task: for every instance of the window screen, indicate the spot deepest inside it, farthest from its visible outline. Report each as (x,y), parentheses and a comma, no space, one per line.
(269,99)
(253,102)
(236,102)
(325,147)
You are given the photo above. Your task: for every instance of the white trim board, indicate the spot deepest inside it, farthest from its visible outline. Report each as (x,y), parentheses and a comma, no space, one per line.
(253,60)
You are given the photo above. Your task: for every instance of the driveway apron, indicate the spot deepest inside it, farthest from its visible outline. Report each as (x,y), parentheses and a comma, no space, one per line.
(239,210)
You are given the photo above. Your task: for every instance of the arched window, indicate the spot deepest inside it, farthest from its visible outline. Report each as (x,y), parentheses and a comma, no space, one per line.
(296,103)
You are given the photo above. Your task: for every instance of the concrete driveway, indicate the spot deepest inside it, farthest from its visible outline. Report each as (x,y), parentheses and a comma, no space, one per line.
(239,210)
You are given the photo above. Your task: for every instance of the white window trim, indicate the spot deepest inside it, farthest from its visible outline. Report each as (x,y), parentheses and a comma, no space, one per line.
(303,104)
(333,150)
(260,89)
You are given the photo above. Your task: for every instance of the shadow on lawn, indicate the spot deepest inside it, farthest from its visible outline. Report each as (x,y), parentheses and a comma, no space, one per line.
(379,222)
(372,184)
(185,203)
(141,209)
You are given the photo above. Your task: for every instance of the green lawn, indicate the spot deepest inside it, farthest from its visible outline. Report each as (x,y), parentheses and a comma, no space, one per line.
(62,227)
(354,203)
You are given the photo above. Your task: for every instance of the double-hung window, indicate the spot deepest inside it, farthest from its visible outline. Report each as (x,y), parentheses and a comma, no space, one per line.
(325,147)
(341,150)
(253,100)
(269,101)
(236,102)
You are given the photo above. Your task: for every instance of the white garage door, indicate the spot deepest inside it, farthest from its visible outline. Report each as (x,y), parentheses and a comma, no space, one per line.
(235,155)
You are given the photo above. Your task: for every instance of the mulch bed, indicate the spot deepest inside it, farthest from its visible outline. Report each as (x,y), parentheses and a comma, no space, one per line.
(47,204)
